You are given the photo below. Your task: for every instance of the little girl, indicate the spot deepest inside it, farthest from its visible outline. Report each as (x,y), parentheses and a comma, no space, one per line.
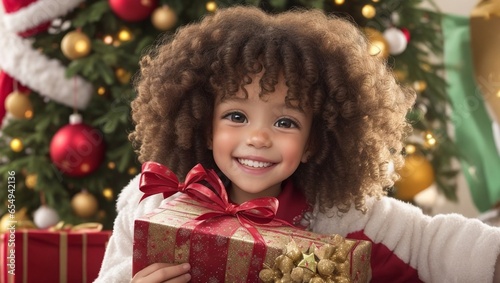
(291,106)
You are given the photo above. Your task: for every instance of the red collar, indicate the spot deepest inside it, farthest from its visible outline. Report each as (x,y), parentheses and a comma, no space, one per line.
(292,204)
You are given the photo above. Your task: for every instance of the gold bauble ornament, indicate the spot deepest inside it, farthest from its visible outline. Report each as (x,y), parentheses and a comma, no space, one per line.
(123,75)
(420,86)
(108,194)
(416,175)
(368,11)
(20,219)
(111,165)
(211,6)
(132,171)
(16,145)
(19,105)
(378,45)
(75,44)
(164,18)
(485,43)
(339,2)
(124,35)
(30,181)
(84,204)
(101,91)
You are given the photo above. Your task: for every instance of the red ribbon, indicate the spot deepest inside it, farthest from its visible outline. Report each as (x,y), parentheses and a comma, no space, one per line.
(157,178)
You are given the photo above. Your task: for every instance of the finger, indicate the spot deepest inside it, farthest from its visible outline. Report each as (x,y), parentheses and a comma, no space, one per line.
(151,268)
(184,278)
(171,274)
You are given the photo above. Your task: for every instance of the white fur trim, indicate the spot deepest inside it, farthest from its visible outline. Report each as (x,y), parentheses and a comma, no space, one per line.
(41,74)
(444,248)
(37,13)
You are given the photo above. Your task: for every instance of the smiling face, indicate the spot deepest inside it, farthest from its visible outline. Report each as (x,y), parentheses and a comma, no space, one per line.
(257,143)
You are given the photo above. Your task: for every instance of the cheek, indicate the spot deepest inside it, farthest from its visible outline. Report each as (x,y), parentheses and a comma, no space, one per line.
(223,139)
(292,150)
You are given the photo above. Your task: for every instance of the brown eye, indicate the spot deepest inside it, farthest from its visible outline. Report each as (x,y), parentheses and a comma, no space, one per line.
(236,117)
(285,123)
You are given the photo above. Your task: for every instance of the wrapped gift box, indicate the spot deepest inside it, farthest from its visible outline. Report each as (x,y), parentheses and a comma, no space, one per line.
(219,249)
(51,256)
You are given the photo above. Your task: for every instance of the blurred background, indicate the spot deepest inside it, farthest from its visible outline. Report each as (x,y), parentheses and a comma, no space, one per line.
(66,84)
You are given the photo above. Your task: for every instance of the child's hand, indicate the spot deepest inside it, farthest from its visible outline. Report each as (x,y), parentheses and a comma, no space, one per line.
(163,272)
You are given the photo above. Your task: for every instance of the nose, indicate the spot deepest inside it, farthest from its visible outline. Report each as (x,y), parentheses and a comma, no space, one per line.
(260,138)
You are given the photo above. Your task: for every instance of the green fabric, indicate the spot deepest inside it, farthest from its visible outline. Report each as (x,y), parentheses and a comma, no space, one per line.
(473,126)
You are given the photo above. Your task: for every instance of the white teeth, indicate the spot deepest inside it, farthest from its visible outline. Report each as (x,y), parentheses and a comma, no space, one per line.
(253,163)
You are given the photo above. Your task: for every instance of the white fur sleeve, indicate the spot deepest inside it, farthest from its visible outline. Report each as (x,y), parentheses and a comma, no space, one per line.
(444,248)
(117,262)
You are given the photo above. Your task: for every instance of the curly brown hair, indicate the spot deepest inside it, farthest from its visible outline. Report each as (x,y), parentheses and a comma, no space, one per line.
(358,108)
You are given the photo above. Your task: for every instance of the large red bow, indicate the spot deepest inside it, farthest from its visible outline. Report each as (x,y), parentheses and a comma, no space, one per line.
(157,178)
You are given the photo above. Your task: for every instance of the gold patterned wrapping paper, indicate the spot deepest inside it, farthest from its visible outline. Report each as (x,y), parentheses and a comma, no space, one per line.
(222,250)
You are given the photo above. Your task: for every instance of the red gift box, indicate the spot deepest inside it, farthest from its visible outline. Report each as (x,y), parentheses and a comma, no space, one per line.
(51,256)
(225,242)
(220,249)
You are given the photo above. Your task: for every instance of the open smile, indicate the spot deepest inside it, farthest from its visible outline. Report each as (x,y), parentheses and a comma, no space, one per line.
(254,163)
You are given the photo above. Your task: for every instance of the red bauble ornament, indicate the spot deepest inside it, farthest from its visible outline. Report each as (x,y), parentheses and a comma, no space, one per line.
(77,149)
(133,10)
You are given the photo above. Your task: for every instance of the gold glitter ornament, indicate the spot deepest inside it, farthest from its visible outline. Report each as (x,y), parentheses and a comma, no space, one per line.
(342,279)
(325,267)
(308,275)
(325,251)
(285,265)
(342,252)
(342,268)
(267,275)
(316,280)
(292,251)
(285,279)
(297,274)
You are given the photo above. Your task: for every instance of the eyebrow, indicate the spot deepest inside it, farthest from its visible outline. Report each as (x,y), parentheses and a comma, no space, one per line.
(242,99)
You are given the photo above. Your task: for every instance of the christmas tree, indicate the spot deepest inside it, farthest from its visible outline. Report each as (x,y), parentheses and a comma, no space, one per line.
(77,61)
